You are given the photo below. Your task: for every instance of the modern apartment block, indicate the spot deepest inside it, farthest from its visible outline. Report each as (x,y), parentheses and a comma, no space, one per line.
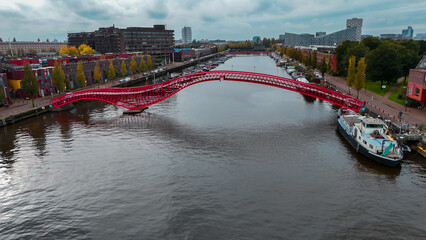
(186,35)
(156,41)
(352,33)
(355,22)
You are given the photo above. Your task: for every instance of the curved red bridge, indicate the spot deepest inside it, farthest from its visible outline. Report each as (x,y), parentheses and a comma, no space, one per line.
(140,97)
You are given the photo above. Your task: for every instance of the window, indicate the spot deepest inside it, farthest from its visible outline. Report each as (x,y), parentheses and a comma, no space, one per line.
(410,90)
(371,146)
(417,91)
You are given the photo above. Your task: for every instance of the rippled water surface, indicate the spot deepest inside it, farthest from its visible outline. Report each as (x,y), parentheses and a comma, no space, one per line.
(219,160)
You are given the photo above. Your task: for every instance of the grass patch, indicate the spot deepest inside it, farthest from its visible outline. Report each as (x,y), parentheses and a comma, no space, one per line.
(376,87)
(399,91)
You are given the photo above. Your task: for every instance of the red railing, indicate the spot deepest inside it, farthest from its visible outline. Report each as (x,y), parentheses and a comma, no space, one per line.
(140,97)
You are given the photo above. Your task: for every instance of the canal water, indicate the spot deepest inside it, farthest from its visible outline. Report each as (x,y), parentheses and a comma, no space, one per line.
(218,160)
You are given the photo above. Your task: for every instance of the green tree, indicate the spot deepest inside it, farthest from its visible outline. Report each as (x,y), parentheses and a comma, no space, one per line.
(149,62)
(323,66)
(81,78)
(360,76)
(371,43)
(29,83)
(142,66)
(351,71)
(314,60)
(123,68)
(133,65)
(111,71)
(383,64)
(97,73)
(341,56)
(408,55)
(58,77)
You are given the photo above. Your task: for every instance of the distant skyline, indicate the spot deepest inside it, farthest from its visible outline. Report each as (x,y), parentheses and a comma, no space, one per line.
(213,19)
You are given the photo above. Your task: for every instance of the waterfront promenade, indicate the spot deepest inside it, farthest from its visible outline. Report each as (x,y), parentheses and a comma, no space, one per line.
(381,105)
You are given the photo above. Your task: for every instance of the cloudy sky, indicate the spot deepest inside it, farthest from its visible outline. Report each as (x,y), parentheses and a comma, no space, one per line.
(211,19)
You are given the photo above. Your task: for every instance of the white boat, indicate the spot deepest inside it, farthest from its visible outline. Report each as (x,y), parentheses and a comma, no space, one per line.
(369,137)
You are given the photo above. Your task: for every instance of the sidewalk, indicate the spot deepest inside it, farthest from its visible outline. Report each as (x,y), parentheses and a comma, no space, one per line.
(380,105)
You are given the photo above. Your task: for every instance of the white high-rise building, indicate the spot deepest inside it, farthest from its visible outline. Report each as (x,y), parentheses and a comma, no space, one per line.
(355,22)
(186,35)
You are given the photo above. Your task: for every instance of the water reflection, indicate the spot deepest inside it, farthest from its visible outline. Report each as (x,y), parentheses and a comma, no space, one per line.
(7,146)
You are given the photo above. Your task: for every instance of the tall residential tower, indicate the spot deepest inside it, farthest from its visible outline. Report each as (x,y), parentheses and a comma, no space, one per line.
(355,22)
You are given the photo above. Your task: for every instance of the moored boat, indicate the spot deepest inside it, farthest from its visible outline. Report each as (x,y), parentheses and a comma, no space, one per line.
(369,137)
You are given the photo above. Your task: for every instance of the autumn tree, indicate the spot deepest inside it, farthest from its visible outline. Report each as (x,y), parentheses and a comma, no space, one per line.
(149,63)
(123,68)
(85,49)
(351,72)
(329,64)
(133,65)
(73,51)
(142,66)
(63,50)
(97,73)
(29,83)
(58,77)
(111,71)
(81,78)
(360,76)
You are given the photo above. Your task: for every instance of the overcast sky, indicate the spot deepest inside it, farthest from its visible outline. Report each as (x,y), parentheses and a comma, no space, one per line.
(209,19)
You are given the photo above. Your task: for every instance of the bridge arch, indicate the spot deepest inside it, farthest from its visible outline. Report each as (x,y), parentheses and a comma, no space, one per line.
(144,96)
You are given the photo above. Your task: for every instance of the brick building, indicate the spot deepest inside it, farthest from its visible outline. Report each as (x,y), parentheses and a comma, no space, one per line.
(416,88)
(24,47)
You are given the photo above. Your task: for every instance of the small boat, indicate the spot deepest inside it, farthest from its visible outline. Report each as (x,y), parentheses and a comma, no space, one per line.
(369,137)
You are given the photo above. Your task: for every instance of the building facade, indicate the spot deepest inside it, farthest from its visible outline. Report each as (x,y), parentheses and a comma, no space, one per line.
(20,48)
(416,88)
(408,33)
(156,41)
(186,35)
(352,33)
(355,22)
(332,39)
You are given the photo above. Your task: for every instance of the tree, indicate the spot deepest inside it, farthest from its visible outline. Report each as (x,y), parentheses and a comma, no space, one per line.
(58,77)
(314,60)
(142,66)
(408,55)
(2,95)
(329,63)
(133,65)
(383,64)
(52,49)
(111,71)
(360,76)
(85,49)
(63,50)
(97,73)
(149,62)
(29,83)
(47,40)
(351,72)
(370,42)
(14,39)
(81,78)
(123,68)
(323,66)
(342,57)
(73,51)
(32,51)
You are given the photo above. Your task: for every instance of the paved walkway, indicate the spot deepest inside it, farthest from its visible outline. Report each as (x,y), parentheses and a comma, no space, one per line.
(391,89)
(381,105)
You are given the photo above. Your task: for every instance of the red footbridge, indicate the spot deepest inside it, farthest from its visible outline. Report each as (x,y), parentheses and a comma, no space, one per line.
(140,97)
